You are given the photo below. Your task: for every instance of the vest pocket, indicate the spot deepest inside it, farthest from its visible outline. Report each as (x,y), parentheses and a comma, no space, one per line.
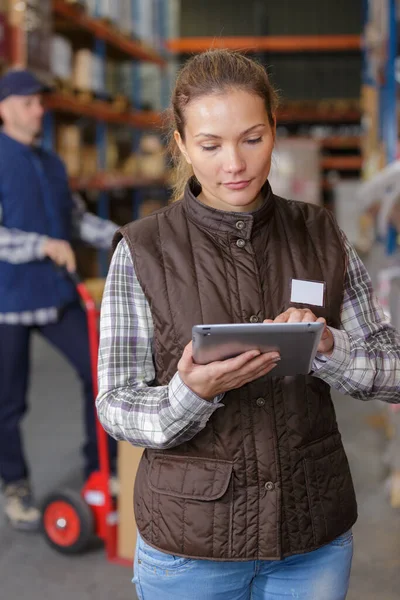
(192,504)
(331,495)
(190,478)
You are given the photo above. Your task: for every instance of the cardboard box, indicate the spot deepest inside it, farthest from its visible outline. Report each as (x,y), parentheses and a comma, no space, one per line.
(69,148)
(128,462)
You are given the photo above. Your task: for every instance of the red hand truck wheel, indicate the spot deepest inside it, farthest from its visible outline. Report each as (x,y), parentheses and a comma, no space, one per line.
(67,522)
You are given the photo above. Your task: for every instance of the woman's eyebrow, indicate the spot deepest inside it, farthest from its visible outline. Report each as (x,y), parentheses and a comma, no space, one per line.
(218,137)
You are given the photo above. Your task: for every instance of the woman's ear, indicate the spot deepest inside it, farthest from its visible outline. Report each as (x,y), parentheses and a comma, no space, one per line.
(181,146)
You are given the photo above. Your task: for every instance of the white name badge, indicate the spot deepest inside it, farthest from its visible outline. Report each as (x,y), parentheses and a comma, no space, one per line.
(308,292)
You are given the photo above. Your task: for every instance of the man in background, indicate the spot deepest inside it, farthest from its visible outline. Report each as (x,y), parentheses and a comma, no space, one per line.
(38,220)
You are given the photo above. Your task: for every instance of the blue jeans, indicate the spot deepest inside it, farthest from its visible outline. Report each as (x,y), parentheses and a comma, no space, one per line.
(319,575)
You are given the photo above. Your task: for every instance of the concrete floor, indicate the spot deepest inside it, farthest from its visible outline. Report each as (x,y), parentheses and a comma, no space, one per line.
(30,570)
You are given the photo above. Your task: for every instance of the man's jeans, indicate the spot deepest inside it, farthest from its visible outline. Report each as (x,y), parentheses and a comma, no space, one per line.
(319,575)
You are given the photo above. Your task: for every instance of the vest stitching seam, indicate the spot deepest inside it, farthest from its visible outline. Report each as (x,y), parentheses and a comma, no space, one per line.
(276,463)
(230,531)
(226,278)
(157,510)
(195,271)
(214,504)
(258,279)
(166,283)
(215,471)
(319,495)
(183,524)
(236,280)
(337,487)
(291,474)
(305,469)
(184,507)
(245,474)
(258,476)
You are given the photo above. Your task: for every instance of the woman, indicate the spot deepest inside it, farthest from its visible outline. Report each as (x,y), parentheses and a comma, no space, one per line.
(244,489)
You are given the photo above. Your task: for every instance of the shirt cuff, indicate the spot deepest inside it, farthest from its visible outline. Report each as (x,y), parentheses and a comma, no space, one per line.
(39,246)
(338,361)
(186,403)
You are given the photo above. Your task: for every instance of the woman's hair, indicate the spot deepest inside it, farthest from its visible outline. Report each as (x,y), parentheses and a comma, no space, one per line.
(212,72)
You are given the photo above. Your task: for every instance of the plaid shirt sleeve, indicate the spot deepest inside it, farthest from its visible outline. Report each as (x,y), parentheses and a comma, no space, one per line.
(18,246)
(91,229)
(130,406)
(365,362)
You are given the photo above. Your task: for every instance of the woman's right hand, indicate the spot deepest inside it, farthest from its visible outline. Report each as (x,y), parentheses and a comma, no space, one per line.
(208,381)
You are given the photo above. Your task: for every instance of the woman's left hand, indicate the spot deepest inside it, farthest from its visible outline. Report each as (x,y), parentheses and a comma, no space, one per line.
(305,315)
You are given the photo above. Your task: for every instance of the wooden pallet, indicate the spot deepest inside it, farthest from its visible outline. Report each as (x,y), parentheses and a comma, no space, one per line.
(64,86)
(84,96)
(120,103)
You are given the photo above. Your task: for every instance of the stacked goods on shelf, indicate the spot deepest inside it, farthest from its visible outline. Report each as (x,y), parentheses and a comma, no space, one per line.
(111,77)
(61,59)
(68,146)
(82,73)
(112,152)
(4,33)
(80,156)
(151,157)
(151,88)
(295,171)
(89,161)
(148,162)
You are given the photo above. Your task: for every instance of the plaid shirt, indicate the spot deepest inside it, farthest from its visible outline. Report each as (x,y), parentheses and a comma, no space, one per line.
(365,362)
(22,247)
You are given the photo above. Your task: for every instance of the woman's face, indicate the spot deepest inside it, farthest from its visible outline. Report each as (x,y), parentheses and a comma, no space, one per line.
(229,143)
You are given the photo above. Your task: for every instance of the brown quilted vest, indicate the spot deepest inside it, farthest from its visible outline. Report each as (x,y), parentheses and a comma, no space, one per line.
(267,477)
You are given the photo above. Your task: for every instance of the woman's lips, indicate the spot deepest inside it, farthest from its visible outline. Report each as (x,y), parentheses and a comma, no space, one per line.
(237,185)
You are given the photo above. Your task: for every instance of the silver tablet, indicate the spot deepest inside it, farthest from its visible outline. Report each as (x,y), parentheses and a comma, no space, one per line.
(296,342)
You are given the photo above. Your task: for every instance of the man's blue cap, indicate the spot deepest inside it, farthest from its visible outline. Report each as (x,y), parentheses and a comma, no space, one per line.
(21,83)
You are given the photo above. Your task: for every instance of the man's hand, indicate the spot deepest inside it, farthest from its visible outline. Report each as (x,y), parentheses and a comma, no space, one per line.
(208,381)
(60,252)
(305,315)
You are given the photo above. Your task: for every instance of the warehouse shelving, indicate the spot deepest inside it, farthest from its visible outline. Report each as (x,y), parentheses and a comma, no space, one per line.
(110,181)
(101,30)
(298,43)
(294,114)
(103,39)
(342,163)
(341,142)
(342,152)
(102,111)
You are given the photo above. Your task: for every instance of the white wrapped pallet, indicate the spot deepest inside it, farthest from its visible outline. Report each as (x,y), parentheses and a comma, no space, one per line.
(98,75)
(61,57)
(125,23)
(150,86)
(295,171)
(348,209)
(144,24)
(173,19)
(91,7)
(108,9)
(125,78)
(83,68)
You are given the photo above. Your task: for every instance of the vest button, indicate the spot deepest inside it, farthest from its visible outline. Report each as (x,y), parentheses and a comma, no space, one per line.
(240,243)
(254,319)
(269,486)
(240,225)
(260,402)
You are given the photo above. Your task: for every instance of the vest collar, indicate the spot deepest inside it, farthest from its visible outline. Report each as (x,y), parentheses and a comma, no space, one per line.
(220,221)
